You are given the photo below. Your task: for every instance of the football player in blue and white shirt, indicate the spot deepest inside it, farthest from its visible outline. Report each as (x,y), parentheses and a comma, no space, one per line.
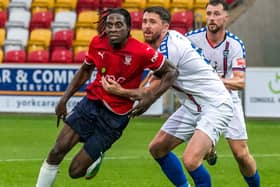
(226,53)
(206,105)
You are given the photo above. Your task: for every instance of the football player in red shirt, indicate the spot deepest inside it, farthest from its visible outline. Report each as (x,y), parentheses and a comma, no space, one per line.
(99,119)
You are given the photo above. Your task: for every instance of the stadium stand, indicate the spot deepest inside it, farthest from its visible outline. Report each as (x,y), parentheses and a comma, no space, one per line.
(68,25)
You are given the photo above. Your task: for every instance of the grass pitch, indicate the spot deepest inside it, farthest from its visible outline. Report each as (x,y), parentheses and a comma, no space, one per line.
(26,140)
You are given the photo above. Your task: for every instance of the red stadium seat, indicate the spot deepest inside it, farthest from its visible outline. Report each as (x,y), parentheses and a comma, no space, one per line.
(87,5)
(182,21)
(41,20)
(62,39)
(62,56)
(80,56)
(136,19)
(110,4)
(3,18)
(17,56)
(38,56)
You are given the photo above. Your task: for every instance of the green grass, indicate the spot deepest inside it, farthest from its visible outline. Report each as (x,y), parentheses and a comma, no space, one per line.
(26,140)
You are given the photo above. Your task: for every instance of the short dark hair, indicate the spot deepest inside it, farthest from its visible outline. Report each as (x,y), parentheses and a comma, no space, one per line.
(104,14)
(163,13)
(216,2)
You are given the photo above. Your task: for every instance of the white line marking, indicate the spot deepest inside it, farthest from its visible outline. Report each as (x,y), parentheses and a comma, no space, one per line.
(134,157)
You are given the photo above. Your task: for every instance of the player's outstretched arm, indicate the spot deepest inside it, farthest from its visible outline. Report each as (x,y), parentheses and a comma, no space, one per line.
(237,82)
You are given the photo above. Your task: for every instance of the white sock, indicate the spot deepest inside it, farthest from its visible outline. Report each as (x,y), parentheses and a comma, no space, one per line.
(47,175)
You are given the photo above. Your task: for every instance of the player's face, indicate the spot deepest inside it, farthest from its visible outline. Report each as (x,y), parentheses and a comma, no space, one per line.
(116,29)
(216,18)
(153,27)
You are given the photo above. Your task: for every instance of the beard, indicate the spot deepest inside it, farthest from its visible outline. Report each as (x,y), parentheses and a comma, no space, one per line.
(213,28)
(153,39)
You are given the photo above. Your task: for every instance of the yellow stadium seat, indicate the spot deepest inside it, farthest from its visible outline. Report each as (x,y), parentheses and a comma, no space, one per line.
(87,19)
(65,5)
(181,4)
(1,56)
(39,39)
(200,3)
(137,34)
(164,3)
(199,17)
(83,38)
(2,36)
(4,4)
(41,5)
(134,5)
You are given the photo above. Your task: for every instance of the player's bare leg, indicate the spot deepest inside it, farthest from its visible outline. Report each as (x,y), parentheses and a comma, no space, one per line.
(197,148)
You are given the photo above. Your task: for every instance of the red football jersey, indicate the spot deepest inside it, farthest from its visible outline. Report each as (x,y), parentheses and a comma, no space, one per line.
(125,66)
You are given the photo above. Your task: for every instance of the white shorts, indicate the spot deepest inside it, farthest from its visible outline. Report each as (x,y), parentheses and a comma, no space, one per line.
(212,121)
(236,129)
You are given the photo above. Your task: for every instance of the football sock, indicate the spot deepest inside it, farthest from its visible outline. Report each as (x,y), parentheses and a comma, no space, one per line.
(201,177)
(47,175)
(253,181)
(172,168)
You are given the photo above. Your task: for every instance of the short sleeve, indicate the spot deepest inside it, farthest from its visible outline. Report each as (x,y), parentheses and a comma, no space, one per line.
(153,59)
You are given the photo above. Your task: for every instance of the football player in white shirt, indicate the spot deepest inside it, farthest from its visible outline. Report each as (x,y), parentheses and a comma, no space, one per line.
(206,105)
(226,53)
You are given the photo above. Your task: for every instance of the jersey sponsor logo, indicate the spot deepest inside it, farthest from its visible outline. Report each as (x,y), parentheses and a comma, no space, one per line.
(241,62)
(117,79)
(154,58)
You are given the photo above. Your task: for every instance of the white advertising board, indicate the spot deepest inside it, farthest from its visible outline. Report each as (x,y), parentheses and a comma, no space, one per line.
(262,92)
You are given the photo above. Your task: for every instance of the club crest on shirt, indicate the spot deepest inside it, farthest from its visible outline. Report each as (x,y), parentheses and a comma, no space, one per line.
(127,60)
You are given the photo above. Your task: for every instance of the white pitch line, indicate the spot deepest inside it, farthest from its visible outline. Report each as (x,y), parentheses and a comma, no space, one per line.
(135,157)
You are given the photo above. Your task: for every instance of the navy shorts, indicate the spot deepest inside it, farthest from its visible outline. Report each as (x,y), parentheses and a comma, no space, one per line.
(97,126)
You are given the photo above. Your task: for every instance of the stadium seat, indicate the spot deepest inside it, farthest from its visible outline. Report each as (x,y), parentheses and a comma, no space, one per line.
(19,18)
(136,19)
(65,5)
(16,56)
(181,5)
(1,55)
(39,39)
(87,19)
(83,38)
(4,4)
(200,3)
(83,5)
(16,39)
(42,5)
(62,39)
(110,4)
(41,20)
(134,5)
(79,57)
(41,56)
(164,3)
(3,18)
(137,34)
(62,56)
(182,21)
(64,20)
(19,4)
(2,36)
(199,17)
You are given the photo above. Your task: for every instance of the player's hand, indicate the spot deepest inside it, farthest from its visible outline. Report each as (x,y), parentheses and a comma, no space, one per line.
(143,104)
(110,85)
(60,111)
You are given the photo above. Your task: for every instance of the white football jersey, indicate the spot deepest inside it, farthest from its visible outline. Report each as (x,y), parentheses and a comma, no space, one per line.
(197,84)
(225,58)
